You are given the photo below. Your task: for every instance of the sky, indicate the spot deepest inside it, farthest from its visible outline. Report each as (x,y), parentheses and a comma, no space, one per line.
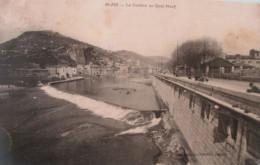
(149,31)
(244,0)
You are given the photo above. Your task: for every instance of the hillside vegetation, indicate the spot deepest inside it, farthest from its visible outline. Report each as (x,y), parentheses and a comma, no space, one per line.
(51,48)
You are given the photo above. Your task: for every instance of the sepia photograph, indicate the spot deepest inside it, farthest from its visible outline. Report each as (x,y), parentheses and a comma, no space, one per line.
(129,82)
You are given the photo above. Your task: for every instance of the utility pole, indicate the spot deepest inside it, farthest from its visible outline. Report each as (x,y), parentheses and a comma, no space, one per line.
(177,53)
(177,62)
(161,64)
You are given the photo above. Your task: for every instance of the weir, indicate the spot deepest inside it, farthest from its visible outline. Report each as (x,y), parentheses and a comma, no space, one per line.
(98,108)
(215,130)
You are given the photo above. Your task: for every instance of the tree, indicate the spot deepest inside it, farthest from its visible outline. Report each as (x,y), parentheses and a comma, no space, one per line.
(193,53)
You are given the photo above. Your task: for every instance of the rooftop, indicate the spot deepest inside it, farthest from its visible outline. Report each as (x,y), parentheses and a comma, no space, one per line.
(219,62)
(239,56)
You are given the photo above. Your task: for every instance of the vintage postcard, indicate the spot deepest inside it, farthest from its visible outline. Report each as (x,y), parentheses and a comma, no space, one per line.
(129,82)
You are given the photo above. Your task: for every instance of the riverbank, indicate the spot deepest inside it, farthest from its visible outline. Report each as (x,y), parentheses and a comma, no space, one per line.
(7,90)
(168,138)
(66,80)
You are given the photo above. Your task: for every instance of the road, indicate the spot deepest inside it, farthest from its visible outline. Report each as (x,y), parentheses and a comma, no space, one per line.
(239,86)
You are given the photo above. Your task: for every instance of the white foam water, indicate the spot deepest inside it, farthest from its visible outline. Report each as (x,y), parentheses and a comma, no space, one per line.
(142,129)
(99,108)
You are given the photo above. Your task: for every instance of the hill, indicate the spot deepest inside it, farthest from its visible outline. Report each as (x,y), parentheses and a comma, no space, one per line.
(50,48)
(151,60)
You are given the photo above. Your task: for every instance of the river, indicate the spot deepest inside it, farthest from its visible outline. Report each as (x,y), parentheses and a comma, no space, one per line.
(92,121)
(119,91)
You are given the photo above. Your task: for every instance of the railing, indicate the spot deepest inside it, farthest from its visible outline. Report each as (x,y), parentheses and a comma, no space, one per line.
(216,101)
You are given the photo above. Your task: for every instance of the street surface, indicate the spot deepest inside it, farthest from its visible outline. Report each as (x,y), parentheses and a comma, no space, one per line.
(239,86)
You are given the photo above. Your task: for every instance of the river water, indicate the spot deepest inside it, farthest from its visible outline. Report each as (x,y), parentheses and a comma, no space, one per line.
(119,91)
(92,121)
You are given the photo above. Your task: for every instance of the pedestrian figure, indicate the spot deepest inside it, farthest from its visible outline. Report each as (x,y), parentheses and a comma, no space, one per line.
(254,89)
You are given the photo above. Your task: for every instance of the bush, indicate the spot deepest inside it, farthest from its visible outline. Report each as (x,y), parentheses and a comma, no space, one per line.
(55,79)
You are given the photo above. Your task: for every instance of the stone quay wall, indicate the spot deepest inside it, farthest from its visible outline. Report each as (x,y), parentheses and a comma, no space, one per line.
(216,132)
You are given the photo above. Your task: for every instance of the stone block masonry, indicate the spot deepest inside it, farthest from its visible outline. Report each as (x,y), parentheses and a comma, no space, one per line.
(216,132)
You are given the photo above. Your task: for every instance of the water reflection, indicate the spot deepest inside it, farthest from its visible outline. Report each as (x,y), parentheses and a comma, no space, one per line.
(119,91)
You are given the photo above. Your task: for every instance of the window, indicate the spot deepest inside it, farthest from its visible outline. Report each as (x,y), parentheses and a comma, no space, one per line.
(191,100)
(220,133)
(180,92)
(175,89)
(253,144)
(233,128)
(202,113)
(205,109)
(223,123)
(208,110)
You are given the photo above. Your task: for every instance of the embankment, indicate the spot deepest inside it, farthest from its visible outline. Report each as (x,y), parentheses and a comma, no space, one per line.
(216,132)
(66,80)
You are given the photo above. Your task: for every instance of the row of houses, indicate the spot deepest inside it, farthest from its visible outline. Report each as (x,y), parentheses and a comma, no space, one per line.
(219,67)
(114,70)
(95,70)
(61,72)
(9,73)
(234,63)
(238,67)
(245,61)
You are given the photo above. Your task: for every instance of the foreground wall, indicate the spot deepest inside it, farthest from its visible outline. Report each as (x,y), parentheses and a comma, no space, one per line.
(216,134)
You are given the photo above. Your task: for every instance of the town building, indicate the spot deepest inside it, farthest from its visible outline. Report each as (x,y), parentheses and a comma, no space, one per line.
(110,71)
(27,74)
(80,69)
(218,65)
(61,71)
(221,68)
(52,72)
(121,69)
(254,53)
(103,71)
(95,70)
(66,72)
(245,61)
(86,70)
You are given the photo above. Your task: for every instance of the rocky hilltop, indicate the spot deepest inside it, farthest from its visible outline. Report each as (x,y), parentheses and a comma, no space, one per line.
(51,48)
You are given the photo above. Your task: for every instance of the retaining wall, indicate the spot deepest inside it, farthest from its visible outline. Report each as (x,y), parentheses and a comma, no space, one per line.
(217,133)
